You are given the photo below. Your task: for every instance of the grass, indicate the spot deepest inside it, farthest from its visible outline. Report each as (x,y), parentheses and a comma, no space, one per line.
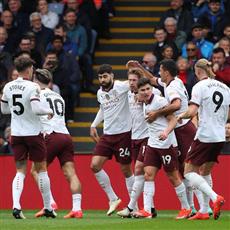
(97,220)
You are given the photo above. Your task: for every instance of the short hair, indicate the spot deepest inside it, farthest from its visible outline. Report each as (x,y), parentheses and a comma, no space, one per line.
(43,75)
(159,28)
(104,68)
(22,63)
(50,51)
(170,66)
(34,14)
(218,50)
(142,82)
(139,73)
(69,10)
(172,19)
(57,37)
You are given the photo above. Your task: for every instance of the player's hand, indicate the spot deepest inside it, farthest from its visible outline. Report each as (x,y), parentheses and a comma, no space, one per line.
(151,116)
(227,132)
(179,118)
(132,64)
(163,136)
(50,116)
(94,134)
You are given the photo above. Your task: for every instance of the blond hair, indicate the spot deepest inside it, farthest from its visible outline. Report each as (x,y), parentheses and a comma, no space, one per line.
(206,66)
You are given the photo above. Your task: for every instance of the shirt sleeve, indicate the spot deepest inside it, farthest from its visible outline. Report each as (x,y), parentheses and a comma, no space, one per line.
(172,94)
(196,95)
(5,109)
(35,93)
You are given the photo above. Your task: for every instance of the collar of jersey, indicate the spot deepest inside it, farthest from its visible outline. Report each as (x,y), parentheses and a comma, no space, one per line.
(150,99)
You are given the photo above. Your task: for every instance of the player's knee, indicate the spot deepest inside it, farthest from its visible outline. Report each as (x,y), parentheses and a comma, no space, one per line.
(126,170)
(174,179)
(95,167)
(139,170)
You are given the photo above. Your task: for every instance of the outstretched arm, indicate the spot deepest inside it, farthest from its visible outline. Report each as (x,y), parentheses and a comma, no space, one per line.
(190,113)
(135,64)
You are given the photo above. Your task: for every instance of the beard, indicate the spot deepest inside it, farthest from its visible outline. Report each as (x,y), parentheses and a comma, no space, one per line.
(107,85)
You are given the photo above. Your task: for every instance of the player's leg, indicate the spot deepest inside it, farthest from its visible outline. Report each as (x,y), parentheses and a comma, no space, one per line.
(20,155)
(17,188)
(204,154)
(126,169)
(102,177)
(75,187)
(53,203)
(175,180)
(169,160)
(205,172)
(44,187)
(185,136)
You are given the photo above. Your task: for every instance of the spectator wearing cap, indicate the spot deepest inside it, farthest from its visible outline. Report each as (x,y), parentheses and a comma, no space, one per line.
(43,35)
(220,66)
(161,40)
(179,37)
(182,15)
(49,18)
(203,45)
(214,17)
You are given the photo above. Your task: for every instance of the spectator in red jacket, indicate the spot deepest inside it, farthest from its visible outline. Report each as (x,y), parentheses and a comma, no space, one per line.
(220,67)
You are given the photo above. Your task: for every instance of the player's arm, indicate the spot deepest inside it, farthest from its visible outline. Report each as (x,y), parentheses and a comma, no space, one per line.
(190,113)
(93,130)
(39,109)
(135,64)
(172,121)
(169,109)
(5,109)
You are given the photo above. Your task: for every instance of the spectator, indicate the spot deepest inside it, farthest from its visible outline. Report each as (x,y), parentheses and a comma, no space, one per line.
(224,43)
(183,16)
(204,46)
(77,34)
(186,74)
(84,20)
(21,19)
(179,37)
(5,57)
(227,31)
(43,35)
(49,18)
(161,40)
(56,6)
(167,52)
(220,67)
(5,147)
(214,17)
(149,62)
(69,46)
(192,54)
(12,31)
(26,45)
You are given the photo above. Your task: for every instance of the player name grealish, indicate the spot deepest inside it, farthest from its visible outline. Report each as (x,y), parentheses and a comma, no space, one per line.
(49,94)
(20,87)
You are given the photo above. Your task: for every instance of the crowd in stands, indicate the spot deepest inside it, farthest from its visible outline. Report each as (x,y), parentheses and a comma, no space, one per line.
(61,36)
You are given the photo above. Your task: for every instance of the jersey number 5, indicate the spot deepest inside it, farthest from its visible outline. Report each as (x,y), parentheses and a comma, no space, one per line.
(20,106)
(217,99)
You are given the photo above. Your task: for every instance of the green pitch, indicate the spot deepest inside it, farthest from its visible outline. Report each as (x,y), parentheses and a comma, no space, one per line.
(97,220)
